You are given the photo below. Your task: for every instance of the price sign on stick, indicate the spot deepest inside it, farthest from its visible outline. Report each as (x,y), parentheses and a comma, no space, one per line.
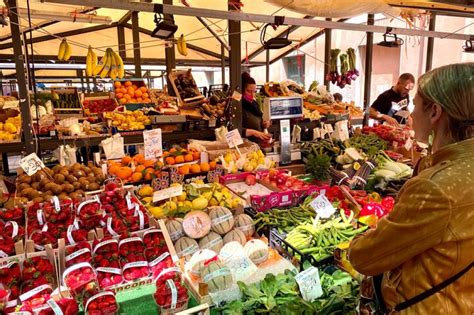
(167,193)
(233,138)
(309,284)
(322,206)
(153,143)
(31,164)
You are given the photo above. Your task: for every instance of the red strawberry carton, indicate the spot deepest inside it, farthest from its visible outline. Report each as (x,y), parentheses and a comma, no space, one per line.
(41,238)
(105,253)
(16,213)
(57,211)
(11,234)
(90,213)
(115,225)
(4,297)
(138,221)
(10,275)
(135,270)
(103,303)
(131,249)
(81,252)
(109,277)
(37,268)
(153,238)
(35,296)
(105,245)
(75,234)
(66,306)
(171,296)
(158,262)
(81,279)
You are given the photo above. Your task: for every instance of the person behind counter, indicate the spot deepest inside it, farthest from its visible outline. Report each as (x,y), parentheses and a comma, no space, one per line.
(392,105)
(252,116)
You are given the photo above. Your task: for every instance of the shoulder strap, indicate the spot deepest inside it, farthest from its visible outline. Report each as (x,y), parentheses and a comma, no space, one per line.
(420,297)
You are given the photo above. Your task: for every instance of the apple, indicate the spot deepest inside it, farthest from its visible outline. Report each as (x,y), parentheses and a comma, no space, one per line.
(250,180)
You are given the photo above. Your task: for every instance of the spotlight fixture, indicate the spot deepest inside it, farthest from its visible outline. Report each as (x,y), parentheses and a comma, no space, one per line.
(164,29)
(469,46)
(395,42)
(276,42)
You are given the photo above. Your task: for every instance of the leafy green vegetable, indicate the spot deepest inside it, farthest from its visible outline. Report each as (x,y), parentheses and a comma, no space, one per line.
(318,165)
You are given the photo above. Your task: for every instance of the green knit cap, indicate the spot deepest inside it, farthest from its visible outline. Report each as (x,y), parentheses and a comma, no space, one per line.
(451,87)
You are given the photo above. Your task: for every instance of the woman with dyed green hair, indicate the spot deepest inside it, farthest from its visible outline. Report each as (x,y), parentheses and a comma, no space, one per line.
(425,247)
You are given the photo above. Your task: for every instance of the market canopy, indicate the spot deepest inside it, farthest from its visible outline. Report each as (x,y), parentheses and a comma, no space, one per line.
(205,36)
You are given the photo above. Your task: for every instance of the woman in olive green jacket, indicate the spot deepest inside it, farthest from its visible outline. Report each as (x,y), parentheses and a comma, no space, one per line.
(429,236)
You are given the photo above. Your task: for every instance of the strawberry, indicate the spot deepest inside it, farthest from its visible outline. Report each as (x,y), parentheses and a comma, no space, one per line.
(80,281)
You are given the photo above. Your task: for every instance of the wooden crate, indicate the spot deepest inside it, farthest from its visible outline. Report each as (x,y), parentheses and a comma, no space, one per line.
(66,101)
(186,102)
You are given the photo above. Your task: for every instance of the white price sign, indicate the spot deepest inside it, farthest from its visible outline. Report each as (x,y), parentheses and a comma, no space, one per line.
(233,138)
(31,164)
(167,193)
(153,143)
(322,206)
(309,284)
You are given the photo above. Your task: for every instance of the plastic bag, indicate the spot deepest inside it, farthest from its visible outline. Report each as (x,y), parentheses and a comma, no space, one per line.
(233,255)
(113,147)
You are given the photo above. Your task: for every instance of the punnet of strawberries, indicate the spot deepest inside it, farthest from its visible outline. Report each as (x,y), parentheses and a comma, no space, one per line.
(10,277)
(154,238)
(81,279)
(34,295)
(164,294)
(131,249)
(109,277)
(10,233)
(81,252)
(38,267)
(158,262)
(67,306)
(135,270)
(103,303)
(4,297)
(90,214)
(60,211)
(13,214)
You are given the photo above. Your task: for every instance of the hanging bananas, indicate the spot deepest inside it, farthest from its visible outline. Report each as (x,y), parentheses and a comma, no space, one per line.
(182,46)
(110,65)
(91,62)
(64,52)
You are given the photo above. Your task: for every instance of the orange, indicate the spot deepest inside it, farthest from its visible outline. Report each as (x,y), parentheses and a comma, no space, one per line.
(157,173)
(117,84)
(196,155)
(205,167)
(195,168)
(138,93)
(139,100)
(179,159)
(144,89)
(131,92)
(145,95)
(148,163)
(147,100)
(127,97)
(139,168)
(165,153)
(159,165)
(139,158)
(119,95)
(170,160)
(134,86)
(213,165)
(126,160)
(113,169)
(184,170)
(123,90)
(123,101)
(173,150)
(149,174)
(124,172)
(188,157)
(136,177)
(128,84)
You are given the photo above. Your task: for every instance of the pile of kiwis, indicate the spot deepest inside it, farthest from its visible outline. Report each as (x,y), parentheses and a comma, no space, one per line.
(215,107)
(61,181)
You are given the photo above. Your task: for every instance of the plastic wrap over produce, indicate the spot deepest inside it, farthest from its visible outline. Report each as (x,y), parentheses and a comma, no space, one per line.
(338,8)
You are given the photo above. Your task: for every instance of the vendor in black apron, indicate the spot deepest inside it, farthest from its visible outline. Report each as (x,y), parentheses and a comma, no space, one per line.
(253,124)
(392,105)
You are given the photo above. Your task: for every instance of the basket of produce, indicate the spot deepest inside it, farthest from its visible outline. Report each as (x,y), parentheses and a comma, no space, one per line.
(186,88)
(66,101)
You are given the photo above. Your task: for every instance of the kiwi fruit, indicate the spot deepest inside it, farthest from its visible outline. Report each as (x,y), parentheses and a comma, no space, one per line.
(59,179)
(23,186)
(27,191)
(25,179)
(38,200)
(57,189)
(64,172)
(93,186)
(80,192)
(87,170)
(91,177)
(68,188)
(33,194)
(43,182)
(63,196)
(85,184)
(78,173)
(49,171)
(74,196)
(47,197)
(76,185)
(71,179)
(57,168)
(49,186)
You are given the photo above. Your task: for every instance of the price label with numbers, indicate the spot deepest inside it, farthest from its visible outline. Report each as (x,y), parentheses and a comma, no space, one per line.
(31,164)
(153,144)
(322,206)
(309,284)
(233,138)
(167,193)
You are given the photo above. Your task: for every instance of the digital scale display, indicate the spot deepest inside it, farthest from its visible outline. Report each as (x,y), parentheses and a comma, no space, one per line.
(283,107)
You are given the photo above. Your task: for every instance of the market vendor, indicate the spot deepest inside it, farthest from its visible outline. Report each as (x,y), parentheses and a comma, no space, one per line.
(425,247)
(253,124)
(392,105)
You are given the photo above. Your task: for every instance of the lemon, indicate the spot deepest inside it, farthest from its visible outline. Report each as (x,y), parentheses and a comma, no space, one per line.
(199,182)
(199,203)
(228,158)
(182,197)
(145,191)
(157,212)
(213,202)
(175,185)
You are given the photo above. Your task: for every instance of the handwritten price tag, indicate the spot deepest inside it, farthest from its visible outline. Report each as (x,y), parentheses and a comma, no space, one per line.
(322,206)
(167,193)
(309,284)
(153,143)
(31,164)
(233,138)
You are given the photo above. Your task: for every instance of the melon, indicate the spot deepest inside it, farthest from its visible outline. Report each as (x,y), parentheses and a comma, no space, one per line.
(231,248)
(235,235)
(186,247)
(197,261)
(257,251)
(212,241)
(175,229)
(217,276)
(244,223)
(222,220)
(196,224)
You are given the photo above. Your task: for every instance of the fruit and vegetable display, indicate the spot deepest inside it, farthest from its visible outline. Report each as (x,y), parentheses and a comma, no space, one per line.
(10,128)
(129,92)
(186,86)
(96,106)
(65,100)
(232,162)
(134,169)
(128,121)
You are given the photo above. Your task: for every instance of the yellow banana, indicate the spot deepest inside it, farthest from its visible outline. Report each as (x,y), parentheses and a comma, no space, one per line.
(62,50)
(67,53)
(94,59)
(101,64)
(182,46)
(89,65)
(120,66)
(113,68)
(106,69)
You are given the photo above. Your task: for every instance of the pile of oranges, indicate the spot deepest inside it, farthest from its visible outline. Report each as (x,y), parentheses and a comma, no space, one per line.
(129,93)
(178,156)
(135,169)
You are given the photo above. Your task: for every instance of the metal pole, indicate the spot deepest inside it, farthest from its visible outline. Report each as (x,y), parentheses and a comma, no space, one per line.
(136,45)
(81,76)
(170,54)
(429,49)
(368,69)
(267,65)
(222,65)
(235,65)
(121,41)
(327,54)
(20,72)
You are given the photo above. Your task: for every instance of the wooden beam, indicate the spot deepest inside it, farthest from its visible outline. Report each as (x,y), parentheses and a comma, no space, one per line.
(327,55)
(121,41)
(45,38)
(290,30)
(125,18)
(369,48)
(257,18)
(216,36)
(430,48)
(235,82)
(170,52)
(136,45)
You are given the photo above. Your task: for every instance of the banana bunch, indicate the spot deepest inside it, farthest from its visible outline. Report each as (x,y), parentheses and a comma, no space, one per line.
(64,52)
(110,65)
(182,46)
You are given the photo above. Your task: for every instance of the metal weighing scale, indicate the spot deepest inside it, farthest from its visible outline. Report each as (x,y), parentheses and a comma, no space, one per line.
(283,109)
